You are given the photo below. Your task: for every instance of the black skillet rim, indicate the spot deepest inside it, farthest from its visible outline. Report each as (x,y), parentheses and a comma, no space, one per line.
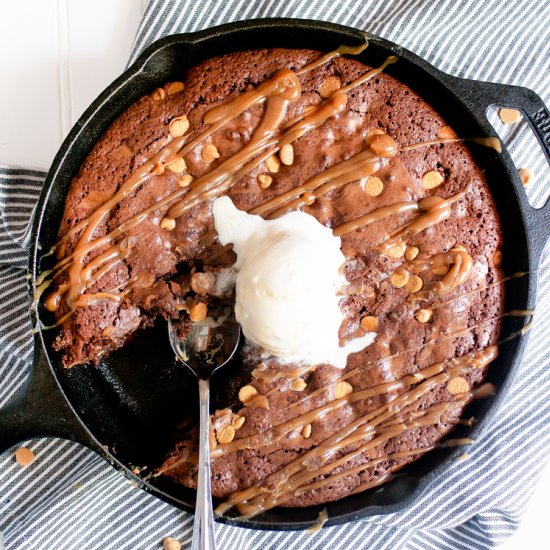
(135,70)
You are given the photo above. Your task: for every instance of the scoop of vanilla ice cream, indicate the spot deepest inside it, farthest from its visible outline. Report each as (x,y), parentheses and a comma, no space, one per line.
(288,279)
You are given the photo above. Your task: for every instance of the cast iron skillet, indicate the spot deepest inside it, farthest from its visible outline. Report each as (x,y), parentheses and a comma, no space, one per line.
(126,409)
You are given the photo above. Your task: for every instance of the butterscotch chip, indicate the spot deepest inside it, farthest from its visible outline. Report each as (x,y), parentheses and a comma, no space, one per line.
(372,186)
(159,169)
(411,253)
(399,279)
(306,431)
(509,116)
(298,384)
(158,94)
(497,258)
(209,153)
(258,402)
(457,385)
(286,154)
(373,132)
(308,198)
(341,389)
(177,166)
(202,283)
(260,368)
(168,223)
(175,87)
(396,251)
(24,456)
(246,393)
(423,315)
(221,418)
(226,435)
(264,181)
(383,145)
(414,284)
(526,175)
(197,312)
(432,179)
(329,86)
(178,126)
(369,323)
(185,180)
(237,421)
(273,164)
(170,543)
(446,132)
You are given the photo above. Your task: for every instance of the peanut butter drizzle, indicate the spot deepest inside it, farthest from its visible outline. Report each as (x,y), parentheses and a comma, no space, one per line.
(366,465)
(270,375)
(283,483)
(485,390)
(437,210)
(53,301)
(299,483)
(521,312)
(370,74)
(279,91)
(361,80)
(481,289)
(321,520)
(491,142)
(276,433)
(85,300)
(284,84)
(217,117)
(375,216)
(406,381)
(213,184)
(461,262)
(341,50)
(360,165)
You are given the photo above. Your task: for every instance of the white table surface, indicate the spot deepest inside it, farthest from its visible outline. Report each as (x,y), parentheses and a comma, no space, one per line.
(56,56)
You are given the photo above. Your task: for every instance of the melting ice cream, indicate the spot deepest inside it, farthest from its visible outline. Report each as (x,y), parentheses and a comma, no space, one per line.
(288,283)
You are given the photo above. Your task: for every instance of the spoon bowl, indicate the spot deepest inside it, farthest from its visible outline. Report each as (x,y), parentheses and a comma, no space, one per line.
(208,346)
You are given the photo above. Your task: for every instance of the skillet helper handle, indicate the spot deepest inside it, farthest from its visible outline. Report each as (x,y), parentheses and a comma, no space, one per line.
(40,409)
(479,96)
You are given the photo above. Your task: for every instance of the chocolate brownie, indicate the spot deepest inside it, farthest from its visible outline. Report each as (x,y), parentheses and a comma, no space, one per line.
(421,269)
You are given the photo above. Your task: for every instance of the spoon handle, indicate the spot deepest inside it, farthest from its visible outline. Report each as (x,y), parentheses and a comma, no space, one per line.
(203,527)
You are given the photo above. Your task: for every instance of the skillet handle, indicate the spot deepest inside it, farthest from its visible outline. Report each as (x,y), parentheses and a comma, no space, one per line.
(40,409)
(479,96)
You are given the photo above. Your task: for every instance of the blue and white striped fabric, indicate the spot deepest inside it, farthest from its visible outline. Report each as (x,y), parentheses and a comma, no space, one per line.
(69,498)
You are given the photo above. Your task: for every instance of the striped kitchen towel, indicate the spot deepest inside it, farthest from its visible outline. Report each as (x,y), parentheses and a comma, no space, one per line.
(69,498)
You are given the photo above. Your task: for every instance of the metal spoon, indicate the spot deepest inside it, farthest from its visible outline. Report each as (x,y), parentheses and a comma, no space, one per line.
(206,348)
